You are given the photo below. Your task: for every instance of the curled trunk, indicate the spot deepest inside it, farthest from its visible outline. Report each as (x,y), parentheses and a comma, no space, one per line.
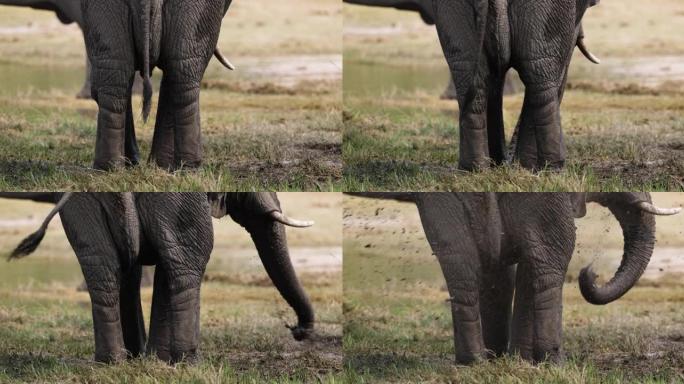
(638,228)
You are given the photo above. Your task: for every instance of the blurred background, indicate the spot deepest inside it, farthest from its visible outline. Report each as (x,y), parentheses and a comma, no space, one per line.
(242,315)
(274,121)
(397,321)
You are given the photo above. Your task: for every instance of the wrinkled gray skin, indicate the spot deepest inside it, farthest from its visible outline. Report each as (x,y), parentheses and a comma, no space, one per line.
(123,36)
(481,41)
(480,238)
(115,234)
(67,11)
(424,8)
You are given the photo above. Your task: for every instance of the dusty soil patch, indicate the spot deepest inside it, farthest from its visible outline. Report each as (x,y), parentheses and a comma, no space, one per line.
(320,355)
(314,162)
(667,353)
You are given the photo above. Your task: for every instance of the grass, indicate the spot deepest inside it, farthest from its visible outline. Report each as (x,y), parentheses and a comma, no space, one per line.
(264,130)
(398,326)
(46,333)
(622,119)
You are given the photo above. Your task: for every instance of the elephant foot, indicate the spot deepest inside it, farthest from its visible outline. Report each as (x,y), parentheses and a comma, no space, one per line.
(111,357)
(469,358)
(109,164)
(131,162)
(161,354)
(187,357)
(188,165)
(553,166)
(302,332)
(473,165)
(553,355)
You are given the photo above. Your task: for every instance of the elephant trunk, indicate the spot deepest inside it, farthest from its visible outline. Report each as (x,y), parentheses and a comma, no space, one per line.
(271,243)
(638,228)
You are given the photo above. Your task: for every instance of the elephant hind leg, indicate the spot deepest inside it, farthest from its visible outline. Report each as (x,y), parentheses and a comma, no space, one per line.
(177,138)
(537,316)
(473,132)
(496,299)
(132,321)
(174,325)
(540,141)
(160,326)
(112,56)
(99,259)
(465,312)
(163,144)
(131,152)
(496,136)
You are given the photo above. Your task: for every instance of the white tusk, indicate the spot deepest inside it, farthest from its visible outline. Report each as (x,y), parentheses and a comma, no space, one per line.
(279,217)
(650,208)
(226,63)
(583,48)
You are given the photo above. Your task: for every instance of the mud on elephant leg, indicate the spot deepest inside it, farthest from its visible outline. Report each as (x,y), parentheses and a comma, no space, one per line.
(496,299)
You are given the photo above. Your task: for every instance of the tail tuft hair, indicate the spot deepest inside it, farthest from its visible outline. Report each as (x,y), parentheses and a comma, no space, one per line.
(28,245)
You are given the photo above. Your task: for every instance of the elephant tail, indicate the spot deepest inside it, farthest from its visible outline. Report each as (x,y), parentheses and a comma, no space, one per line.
(147,82)
(124,222)
(31,243)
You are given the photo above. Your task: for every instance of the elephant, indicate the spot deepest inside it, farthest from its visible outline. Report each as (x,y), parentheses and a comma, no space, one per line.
(481,41)
(115,234)
(177,36)
(494,246)
(68,11)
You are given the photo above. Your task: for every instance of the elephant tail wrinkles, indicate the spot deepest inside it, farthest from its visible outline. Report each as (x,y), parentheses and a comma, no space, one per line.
(31,243)
(147,82)
(123,219)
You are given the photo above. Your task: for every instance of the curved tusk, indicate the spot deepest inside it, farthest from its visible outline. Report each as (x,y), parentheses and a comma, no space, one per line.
(226,63)
(279,217)
(650,208)
(583,48)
